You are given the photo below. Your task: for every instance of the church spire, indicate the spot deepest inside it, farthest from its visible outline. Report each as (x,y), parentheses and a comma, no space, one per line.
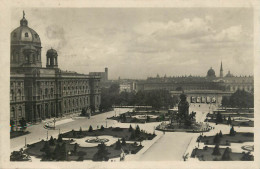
(221,70)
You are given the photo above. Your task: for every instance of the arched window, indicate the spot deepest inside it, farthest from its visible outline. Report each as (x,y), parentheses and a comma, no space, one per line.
(12,115)
(20,112)
(46,92)
(26,34)
(12,95)
(19,94)
(51,92)
(65,104)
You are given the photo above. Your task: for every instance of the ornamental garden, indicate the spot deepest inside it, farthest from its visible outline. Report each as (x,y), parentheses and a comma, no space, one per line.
(78,145)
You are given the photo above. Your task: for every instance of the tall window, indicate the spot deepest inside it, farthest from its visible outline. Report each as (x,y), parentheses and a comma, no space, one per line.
(20,112)
(51,92)
(19,94)
(12,115)
(12,95)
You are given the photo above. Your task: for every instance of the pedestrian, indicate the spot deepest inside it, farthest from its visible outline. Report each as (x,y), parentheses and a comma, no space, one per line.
(163,131)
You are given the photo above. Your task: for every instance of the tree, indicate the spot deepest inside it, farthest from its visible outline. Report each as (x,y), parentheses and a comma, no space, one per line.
(220,134)
(60,138)
(102,153)
(92,108)
(130,128)
(216,139)
(226,154)
(219,118)
(225,101)
(118,145)
(80,131)
(232,131)
(75,148)
(229,120)
(102,128)
(241,99)
(216,150)
(123,141)
(137,131)
(51,141)
(90,129)
(147,118)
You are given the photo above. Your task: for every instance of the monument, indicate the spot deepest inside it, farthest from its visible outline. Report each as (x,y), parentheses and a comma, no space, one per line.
(183,120)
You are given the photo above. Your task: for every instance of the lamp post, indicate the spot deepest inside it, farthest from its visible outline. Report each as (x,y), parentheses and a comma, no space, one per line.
(54,121)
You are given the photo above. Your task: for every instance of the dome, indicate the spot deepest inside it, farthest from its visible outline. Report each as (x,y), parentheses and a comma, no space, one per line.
(211,73)
(52,52)
(24,34)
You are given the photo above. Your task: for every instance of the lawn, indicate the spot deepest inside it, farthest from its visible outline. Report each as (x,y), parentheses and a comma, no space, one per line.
(115,132)
(130,117)
(206,154)
(250,123)
(86,153)
(238,138)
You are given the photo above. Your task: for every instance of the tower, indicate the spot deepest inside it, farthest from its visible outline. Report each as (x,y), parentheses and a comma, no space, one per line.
(106,74)
(221,70)
(52,59)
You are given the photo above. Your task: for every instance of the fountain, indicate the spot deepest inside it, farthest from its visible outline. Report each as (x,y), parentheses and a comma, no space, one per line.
(97,140)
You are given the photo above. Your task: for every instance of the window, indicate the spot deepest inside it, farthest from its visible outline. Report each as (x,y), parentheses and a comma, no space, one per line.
(15,35)
(12,95)
(19,94)
(26,34)
(20,112)
(12,115)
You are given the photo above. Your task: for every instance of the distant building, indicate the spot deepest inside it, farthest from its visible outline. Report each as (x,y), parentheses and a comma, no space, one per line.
(198,88)
(103,75)
(37,92)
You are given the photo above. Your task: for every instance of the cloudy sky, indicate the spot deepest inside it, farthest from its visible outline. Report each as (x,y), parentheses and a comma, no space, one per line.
(141,42)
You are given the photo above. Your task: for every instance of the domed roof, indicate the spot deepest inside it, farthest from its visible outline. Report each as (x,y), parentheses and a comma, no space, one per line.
(211,73)
(52,52)
(24,34)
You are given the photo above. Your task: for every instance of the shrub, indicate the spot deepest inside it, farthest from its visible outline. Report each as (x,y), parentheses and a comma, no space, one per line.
(130,128)
(226,155)
(51,141)
(90,129)
(216,150)
(232,131)
(123,142)
(102,128)
(118,145)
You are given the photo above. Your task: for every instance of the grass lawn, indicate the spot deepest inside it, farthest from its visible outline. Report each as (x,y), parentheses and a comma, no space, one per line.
(238,138)
(115,132)
(212,118)
(86,153)
(206,155)
(129,117)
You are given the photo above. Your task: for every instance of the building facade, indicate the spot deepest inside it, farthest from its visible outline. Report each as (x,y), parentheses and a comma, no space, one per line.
(37,92)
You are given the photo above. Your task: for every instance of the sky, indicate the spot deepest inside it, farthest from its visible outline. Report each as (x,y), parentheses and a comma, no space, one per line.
(143,42)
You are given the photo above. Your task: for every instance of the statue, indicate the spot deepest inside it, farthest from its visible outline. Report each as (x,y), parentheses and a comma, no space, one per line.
(183,107)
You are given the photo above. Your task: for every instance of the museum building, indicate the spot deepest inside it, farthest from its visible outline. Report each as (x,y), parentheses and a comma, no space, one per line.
(37,92)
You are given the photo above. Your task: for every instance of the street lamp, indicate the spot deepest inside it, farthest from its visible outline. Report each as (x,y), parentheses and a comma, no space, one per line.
(54,121)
